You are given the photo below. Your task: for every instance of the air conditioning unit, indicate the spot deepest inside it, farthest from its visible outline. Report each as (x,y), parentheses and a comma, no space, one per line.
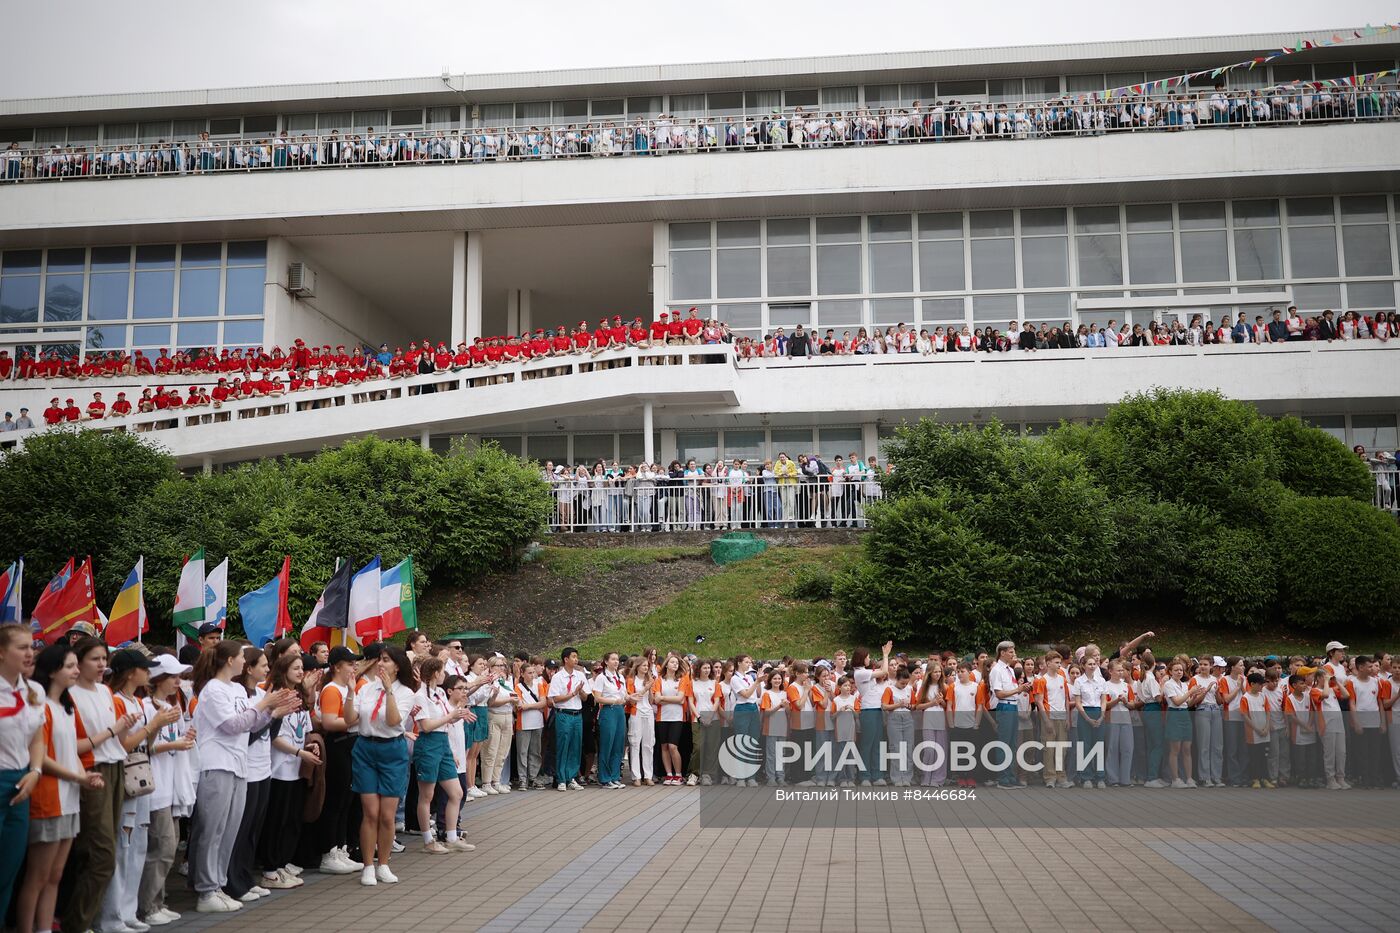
(301,280)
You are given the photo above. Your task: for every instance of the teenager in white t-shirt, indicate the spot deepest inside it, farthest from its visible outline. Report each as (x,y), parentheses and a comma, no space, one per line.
(870,687)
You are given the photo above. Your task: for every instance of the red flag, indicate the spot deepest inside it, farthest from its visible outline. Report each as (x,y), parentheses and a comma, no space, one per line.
(284,579)
(68,599)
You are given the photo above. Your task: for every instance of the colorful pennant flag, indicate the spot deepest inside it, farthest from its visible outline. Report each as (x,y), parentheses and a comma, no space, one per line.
(332,610)
(398,611)
(11,593)
(264,611)
(127,621)
(189,596)
(67,600)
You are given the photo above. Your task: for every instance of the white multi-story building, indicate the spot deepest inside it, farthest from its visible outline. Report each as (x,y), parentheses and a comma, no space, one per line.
(467,205)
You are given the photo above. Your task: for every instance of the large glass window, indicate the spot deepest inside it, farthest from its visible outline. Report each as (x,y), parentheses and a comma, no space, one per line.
(1100,259)
(1204,256)
(242,333)
(838,442)
(941,252)
(1257,255)
(19,299)
(1151,256)
(993,249)
(838,266)
(702,446)
(1045,261)
(789,257)
(1370,295)
(690,274)
(590,448)
(1376,432)
(63,297)
(199,292)
(154,295)
(1367,249)
(748,445)
(1312,251)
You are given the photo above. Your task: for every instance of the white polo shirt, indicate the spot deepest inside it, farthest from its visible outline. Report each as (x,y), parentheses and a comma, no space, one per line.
(97,713)
(17,730)
(1088,691)
(563,682)
(373,703)
(738,684)
(1000,677)
(610,685)
(868,688)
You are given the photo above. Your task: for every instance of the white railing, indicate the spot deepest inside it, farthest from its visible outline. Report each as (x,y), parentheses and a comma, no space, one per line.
(378,390)
(643,501)
(790,129)
(1387,495)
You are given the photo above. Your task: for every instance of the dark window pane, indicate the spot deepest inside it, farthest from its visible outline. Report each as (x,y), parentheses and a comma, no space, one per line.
(790,270)
(690,236)
(111,337)
(253,126)
(155,293)
(1204,256)
(1313,251)
(243,292)
(1096,219)
(990,223)
(199,292)
(106,258)
(19,299)
(737,271)
(889,227)
(201,254)
(941,265)
(247,253)
(1367,248)
(63,298)
(225,126)
(1151,258)
(993,263)
(22,260)
(155,257)
(1257,255)
(67,260)
(891,267)
(945,226)
(1100,260)
(1256,213)
(1043,220)
(1198,215)
(838,270)
(1045,261)
(107,296)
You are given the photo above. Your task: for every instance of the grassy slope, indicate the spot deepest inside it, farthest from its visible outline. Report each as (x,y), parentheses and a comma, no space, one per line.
(739,609)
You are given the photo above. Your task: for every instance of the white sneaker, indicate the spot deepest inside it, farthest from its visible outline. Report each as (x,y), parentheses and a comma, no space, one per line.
(1178,783)
(291,869)
(345,857)
(249,896)
(170,915)
(396,846)
(575,785)
(491,789)
(1156,783)
(475,792)
(232,902)
(399,827)
(562,787)
(383,873)
(279,881)
(503,788)
(692,781)
(367,877)
(1191,782)
(212,904)
(161,917)
(260,891)
(333,863)
(138,926)
(1103,786)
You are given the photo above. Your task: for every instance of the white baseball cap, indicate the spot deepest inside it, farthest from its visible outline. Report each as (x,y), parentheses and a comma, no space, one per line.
(1335,646)
(1217,661)
(167,665)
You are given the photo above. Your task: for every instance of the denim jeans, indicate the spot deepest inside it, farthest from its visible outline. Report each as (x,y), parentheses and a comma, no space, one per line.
(1090,738)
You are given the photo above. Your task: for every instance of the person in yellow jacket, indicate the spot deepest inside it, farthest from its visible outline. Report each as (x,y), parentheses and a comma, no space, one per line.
(786,471)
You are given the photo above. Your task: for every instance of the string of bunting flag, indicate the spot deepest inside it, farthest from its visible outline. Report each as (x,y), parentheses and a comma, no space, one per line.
(1302,45)
(369,605)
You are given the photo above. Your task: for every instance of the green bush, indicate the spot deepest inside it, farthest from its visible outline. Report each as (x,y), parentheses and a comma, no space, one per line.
(925,574)
(1232,581)
(1153,551)
(493,505)
(1314,463)
(71,493)
(810,584)
(1338,565)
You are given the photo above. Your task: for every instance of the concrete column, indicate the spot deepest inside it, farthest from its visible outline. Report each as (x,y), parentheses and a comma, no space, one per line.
(518,311)
(668,447)
(466,287)
(660,274)
(870,439)
(474,287)
(425,439)
(526,318)
(648,433)
(207,464)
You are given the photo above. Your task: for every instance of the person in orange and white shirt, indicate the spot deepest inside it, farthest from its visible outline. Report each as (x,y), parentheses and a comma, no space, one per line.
(897,704)
(931,719)
(843,710)
(1119,698)
(1209,724)
(669,696)
(641,724)
(772,710)
(1331,726)
(705,700)
(338,718)
(173,769)
(1179,699)
(1050,695)
(1234,758)
(1300,708)
(804,699)
(1274,689)
(1252,711)
(965,709)
(870,686)
(53,807)
(1389,695)
(529,725)
(1367,726)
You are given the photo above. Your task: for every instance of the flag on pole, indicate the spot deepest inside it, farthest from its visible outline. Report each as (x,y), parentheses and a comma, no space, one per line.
(216,595)
(398,611)
(11,593)
(364,603)
(264,611)
(68,599)
(128,618)
(189,596)
(332,609)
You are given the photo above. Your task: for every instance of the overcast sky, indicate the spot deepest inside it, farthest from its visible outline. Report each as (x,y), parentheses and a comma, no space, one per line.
(52,48)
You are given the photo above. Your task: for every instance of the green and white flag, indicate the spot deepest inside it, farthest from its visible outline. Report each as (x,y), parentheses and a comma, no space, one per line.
(189,598)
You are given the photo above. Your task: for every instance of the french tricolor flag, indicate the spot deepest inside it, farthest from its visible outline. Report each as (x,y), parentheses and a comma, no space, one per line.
(11,587)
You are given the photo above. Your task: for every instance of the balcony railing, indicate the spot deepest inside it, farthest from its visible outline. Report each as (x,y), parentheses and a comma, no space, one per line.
(778,130)
(1387,494)
(634,501)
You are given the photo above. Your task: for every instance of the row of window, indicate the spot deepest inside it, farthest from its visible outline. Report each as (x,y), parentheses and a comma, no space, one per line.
(1040,248)
(120,283)
(1374,431)
(725,103)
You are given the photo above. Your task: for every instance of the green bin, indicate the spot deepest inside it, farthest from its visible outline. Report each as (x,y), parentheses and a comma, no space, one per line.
(738,545)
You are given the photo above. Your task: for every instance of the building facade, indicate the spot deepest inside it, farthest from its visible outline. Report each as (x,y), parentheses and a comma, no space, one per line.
(971,188)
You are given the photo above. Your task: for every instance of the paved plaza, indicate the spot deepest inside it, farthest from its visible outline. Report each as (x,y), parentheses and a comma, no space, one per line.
(683,859)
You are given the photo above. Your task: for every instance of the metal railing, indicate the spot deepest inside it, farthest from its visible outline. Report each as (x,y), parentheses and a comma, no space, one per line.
(1387,495)
(645,501)
(779,130)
